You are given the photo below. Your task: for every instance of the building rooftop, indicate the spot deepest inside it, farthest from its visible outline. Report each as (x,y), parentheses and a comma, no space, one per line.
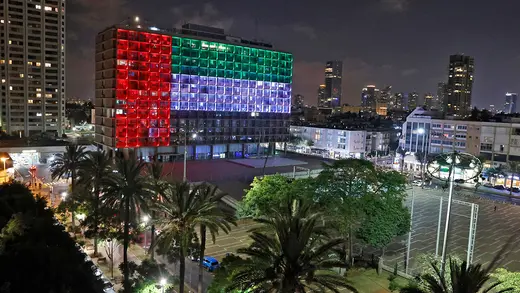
(193,31)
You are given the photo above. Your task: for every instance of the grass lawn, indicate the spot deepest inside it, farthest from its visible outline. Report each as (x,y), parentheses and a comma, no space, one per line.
(368,281)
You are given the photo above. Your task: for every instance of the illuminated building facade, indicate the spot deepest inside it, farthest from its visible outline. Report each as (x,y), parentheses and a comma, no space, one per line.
(460,85)
(333,73)
(154,89)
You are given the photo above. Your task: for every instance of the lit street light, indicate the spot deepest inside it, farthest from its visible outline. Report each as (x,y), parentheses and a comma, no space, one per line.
(469,167)
(145,221)
(186,152)
(64,195)
(3,160)
(162,284)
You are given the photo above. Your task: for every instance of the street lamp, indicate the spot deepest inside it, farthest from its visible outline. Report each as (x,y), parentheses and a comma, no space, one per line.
(3,160)
(422,132)
(145,221)
(186,152)
(465,164)
(64,195)
(162,284)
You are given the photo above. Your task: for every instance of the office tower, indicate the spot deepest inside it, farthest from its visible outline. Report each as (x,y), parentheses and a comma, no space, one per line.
(159,90)
(460,85)
(397,102)
(369,97)
(428,102)
(322,100)
(32,66)
(510,104)
(413,101)
(385,95)
(441,96)
(298,102)
(333,73)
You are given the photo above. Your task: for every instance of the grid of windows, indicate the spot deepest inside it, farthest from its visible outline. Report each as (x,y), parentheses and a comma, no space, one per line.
(212,76)
(142,89)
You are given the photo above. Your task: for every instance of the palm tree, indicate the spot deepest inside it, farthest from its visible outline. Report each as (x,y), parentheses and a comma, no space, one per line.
(513,167)
(184,208)
(68,164)
(129,191)
(94,172)
(155,171)
(291,253)
(462,279)
(211,194)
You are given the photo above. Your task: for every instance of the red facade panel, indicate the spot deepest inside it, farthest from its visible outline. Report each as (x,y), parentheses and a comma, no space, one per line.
(143,89)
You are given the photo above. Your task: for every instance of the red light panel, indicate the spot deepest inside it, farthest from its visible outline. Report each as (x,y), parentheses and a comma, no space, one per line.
(142,89)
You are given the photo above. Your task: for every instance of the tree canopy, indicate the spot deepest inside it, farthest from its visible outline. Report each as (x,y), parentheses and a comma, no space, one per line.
(37,255)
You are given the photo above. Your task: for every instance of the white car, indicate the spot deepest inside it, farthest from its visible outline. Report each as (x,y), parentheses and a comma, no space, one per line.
(417,183)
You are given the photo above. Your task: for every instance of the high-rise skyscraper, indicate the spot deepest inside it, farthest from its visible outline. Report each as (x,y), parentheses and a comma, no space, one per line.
(369,97)
(193,91)
(460,85)
(385,95)
(398,102)
(428,102)
(413,101)
(298,102)
(441,96)
(510,104)
(333,73)
(322,99)
(32,66)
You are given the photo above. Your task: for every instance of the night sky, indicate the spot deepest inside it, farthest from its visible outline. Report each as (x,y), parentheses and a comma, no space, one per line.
(403,43)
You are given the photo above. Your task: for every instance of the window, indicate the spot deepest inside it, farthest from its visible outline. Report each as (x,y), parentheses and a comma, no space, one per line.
(486,147)
(462,127)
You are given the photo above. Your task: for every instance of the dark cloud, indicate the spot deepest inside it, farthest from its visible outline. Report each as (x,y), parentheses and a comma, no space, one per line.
(403,43)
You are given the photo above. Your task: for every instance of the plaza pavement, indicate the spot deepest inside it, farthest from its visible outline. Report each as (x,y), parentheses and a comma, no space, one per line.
(494,229)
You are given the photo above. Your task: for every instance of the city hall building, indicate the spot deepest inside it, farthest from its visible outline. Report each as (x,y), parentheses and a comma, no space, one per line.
(158,90)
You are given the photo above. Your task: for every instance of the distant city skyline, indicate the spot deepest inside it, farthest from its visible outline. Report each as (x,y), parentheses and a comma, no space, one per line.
(317,33)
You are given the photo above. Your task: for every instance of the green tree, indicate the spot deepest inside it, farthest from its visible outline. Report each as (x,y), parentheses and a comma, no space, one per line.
(290,253)
(463,278)
(264,193)
(212,218)
(514,168)
(32,242)
(507,280)
(129,192)
(184,208)
(93,174)
(68,164)
(342,185)
(148,274)
(229,266)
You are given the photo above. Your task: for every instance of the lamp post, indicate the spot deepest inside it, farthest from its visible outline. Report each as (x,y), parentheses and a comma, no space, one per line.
(3,160)
(467,165)
(186,152)
(145,222)
(422,132)
(162,284)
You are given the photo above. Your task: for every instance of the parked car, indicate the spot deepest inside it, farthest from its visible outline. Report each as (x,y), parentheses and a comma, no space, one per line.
(417,182)
(210,263)
(487,184)
(499,187)
(459,181)
(107,286)
(515,189)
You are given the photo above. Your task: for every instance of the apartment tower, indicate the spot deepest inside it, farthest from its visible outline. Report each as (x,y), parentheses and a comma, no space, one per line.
(32,66)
